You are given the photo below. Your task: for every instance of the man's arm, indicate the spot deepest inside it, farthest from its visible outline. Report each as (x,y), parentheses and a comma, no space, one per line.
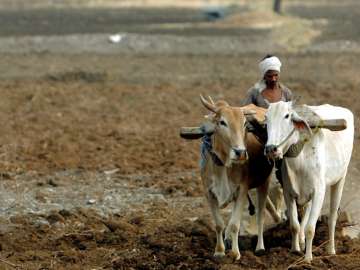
(249,99)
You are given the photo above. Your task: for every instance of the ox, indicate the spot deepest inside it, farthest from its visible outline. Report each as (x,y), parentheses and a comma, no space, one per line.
(235,164)
(323,161)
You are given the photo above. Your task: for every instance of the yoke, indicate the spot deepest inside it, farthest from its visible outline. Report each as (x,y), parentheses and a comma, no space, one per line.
(258,127)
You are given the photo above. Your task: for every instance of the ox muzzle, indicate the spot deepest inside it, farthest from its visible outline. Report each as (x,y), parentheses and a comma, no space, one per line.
(240,154)
(272,151)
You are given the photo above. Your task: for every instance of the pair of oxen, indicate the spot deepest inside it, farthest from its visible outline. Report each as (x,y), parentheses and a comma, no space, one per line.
(246,163)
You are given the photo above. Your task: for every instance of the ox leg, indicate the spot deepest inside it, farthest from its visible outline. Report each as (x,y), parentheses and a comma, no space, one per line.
(316,206)
(233,228)
(262,192)
(219,225)
(335,198)
(294,222)
(294,227)
(304,221)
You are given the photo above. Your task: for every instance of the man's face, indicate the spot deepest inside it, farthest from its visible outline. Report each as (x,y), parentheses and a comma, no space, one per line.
(271,78)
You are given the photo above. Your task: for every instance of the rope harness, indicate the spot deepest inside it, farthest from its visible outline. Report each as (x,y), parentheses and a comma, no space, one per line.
(207,147)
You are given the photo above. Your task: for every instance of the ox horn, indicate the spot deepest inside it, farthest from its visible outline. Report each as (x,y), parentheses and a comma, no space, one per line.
(211,100)
(295,100)
(208,105)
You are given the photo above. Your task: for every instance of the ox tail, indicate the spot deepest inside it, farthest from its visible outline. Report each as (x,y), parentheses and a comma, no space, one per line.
(251,207)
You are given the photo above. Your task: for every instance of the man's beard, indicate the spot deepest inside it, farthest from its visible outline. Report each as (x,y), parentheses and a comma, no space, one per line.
(271,83)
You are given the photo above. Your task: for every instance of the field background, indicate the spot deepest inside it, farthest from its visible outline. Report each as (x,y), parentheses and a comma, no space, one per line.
(93,173)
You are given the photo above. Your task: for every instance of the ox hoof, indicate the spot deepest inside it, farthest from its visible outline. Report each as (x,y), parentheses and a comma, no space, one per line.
(331,250)
(297,252)
(260,252)
(219,254)
(227,243)
(308,260)
(234,255)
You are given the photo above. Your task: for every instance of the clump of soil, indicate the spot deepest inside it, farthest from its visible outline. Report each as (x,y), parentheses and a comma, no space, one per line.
(65,239)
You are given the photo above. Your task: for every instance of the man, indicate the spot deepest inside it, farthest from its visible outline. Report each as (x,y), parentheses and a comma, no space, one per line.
(268,89)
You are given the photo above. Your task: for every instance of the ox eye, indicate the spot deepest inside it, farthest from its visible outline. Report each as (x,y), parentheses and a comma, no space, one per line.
(287,116)
(223,123)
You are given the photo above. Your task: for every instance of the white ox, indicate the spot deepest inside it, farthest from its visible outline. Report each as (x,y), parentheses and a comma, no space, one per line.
(243,166)
(322,162)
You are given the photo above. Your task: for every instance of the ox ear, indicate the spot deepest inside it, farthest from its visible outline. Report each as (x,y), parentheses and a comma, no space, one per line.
(295,100)
(300,123)
(208,105)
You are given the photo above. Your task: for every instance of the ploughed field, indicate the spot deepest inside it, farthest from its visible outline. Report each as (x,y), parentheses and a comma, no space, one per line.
(95,176)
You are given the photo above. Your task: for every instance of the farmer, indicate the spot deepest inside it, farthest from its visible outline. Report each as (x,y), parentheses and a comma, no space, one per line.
(268,89)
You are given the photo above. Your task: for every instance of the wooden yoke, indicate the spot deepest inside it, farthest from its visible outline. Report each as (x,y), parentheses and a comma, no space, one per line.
(257,120)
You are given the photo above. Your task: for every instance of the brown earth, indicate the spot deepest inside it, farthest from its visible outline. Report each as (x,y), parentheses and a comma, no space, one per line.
(94,174)
(82,122)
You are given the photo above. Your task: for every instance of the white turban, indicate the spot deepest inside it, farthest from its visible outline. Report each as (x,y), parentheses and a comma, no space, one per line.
(271,63)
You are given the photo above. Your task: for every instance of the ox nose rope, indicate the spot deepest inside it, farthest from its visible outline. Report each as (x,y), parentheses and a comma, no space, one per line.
(294,149)
(286,138)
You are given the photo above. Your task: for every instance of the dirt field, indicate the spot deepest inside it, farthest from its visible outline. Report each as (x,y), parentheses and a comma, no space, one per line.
(93,172)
